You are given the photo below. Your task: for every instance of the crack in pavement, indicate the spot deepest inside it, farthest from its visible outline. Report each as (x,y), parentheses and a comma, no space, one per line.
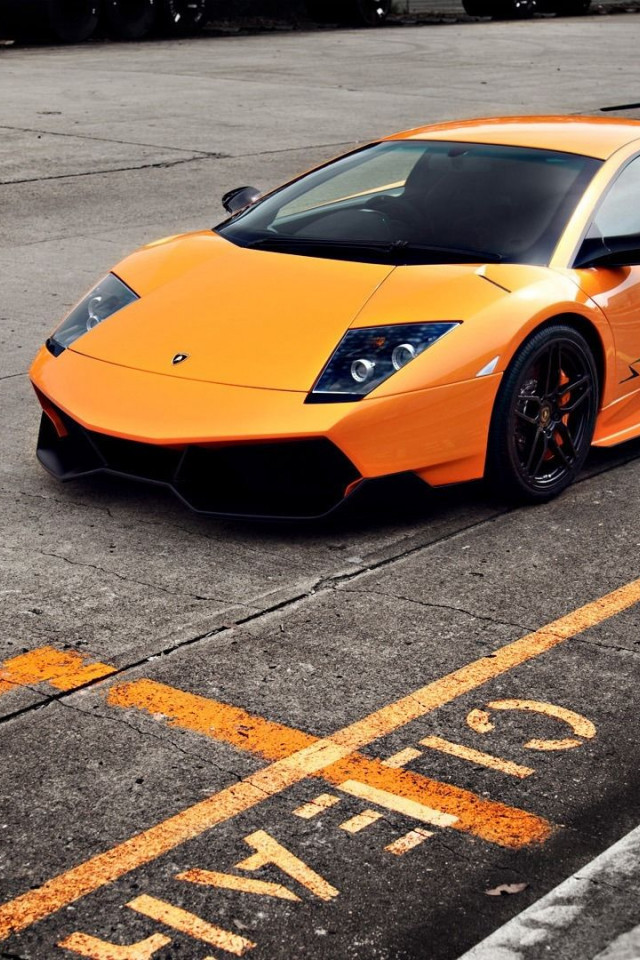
(164,741)
(196,156)
(160,523)
(10,376)
(141,166)
(224,628)
(88,136)
(325,583)
(142,583)
(607,646)
(63,503)
(445,606)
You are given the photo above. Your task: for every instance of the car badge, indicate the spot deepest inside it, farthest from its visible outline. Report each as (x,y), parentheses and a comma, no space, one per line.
(180,358)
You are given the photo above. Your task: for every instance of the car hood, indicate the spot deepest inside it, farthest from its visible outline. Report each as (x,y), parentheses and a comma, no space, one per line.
(262,319)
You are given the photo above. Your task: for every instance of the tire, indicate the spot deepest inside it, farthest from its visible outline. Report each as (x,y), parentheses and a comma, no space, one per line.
(367,13)
(514,9)
(129,19)
(183,18)
(68,21)
(535,449)
(73,21)
(370,13)
(571,8)
(477,8)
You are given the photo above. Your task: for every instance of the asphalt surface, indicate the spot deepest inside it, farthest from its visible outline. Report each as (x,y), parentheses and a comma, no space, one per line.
(341,630)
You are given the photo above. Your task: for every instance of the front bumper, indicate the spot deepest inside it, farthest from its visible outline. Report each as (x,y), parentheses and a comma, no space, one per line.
(244,451)
(292,479)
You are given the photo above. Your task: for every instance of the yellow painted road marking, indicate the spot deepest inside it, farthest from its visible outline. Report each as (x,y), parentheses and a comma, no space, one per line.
(477,756)
(188,923)
(106,867)
(409,841)
(221,721)
(579,724)
(269,852)
(96,949)
(391,801)
(317,806)
(402,758)
(480,721)
(226,881)
(360,821)
(64,670)
(487,819)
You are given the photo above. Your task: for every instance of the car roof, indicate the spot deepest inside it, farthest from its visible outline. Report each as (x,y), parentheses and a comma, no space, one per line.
(590,136)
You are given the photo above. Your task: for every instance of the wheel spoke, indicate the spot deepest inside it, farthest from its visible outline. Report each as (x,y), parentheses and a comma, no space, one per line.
(532,453)
(580,382)
(558,449)
(574,404)
(567,440)
(554,368)
(523,416)
(571,407)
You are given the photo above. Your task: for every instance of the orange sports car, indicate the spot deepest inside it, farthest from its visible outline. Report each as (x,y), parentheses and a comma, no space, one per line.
(456,301)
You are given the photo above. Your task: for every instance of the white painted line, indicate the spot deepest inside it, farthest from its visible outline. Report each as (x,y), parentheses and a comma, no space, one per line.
(548,922)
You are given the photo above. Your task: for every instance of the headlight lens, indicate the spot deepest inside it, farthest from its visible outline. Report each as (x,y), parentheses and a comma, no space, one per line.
(368,356)
(107,298)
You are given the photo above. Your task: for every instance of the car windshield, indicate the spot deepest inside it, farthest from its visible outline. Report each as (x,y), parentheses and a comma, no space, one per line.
(413,201)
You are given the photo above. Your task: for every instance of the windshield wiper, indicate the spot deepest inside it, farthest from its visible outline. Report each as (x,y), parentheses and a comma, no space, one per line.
(460,253)
(407,252)
(384,246)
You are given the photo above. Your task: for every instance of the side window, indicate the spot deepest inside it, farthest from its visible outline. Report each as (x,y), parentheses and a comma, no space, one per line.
(619,214)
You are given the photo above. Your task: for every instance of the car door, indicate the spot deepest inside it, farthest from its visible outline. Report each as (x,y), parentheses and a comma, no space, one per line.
(616,290)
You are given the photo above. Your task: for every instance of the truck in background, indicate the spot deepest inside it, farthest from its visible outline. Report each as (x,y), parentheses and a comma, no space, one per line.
(73,21)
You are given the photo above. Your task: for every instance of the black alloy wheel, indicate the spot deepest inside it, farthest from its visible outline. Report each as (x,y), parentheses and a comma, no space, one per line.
(130,19)
(183,18)
(544,416)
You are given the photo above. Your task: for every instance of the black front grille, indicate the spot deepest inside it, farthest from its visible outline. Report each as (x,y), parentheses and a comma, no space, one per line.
(145,460)
(292,478)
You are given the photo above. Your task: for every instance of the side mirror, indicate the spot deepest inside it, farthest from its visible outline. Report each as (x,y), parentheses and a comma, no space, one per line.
(610,252)
(236,200)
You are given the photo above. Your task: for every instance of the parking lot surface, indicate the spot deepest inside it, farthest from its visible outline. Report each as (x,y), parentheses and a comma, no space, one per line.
(326,740)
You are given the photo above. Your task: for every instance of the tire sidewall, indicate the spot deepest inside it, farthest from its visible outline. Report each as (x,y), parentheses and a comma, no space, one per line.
(74,30)
(124,27)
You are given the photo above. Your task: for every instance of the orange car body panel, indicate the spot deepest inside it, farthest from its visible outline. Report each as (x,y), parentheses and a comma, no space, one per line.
(381,436)
(591,136)
(258,327)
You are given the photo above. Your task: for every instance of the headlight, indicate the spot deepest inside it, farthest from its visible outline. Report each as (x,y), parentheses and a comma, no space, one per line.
(107,298)
(368,356)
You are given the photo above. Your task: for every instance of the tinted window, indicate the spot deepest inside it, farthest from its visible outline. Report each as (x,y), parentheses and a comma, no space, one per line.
(423,201)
